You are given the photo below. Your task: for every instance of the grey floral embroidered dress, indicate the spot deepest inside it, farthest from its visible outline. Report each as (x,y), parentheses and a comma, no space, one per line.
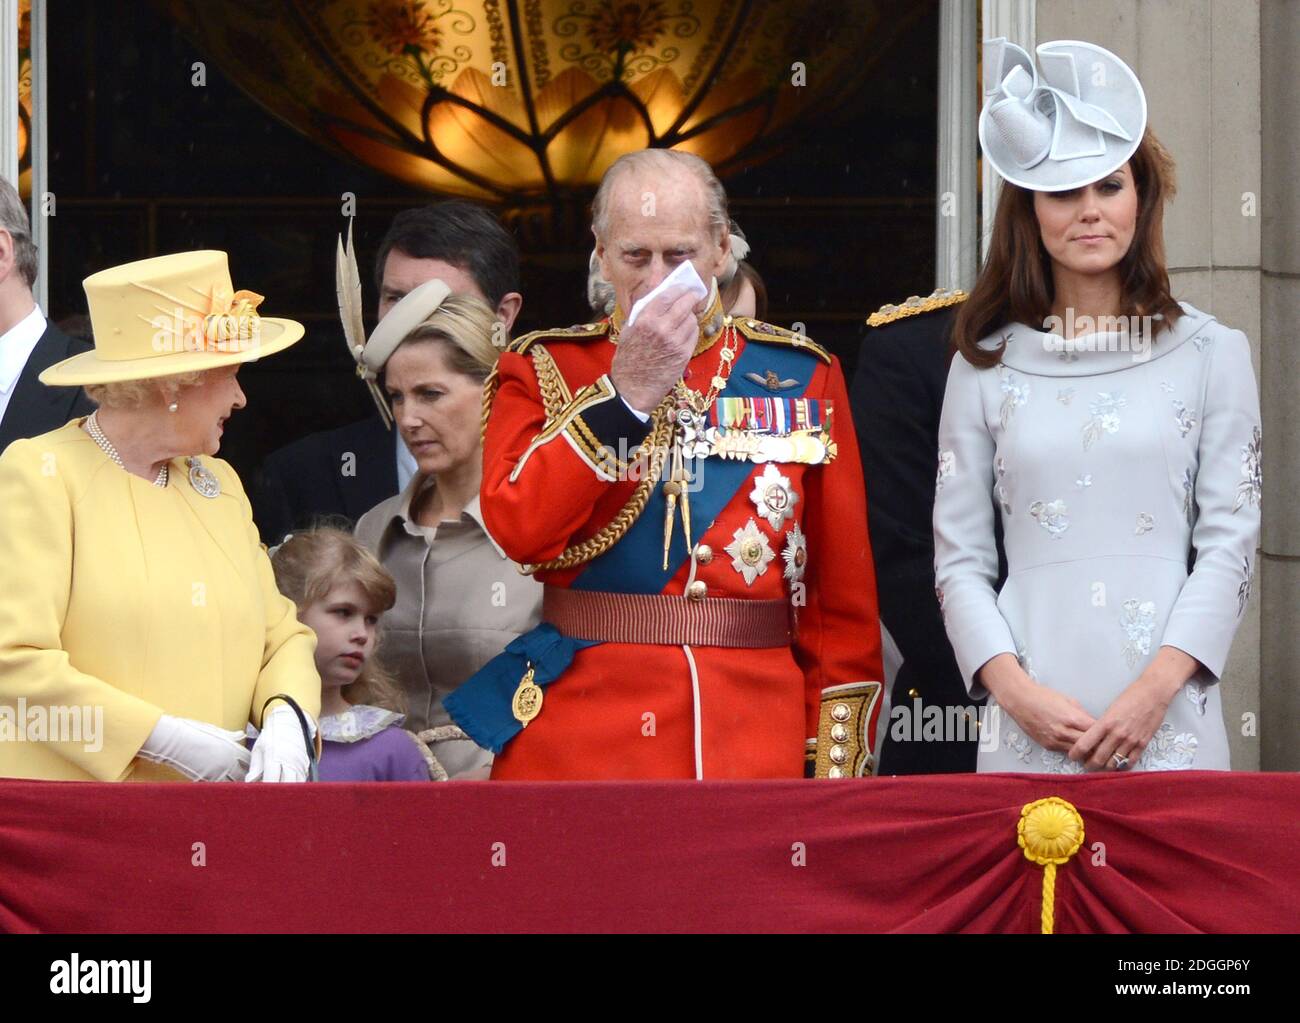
(1112,473)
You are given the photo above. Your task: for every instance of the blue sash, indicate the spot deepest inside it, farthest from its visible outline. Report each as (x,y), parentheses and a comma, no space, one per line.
(482,706)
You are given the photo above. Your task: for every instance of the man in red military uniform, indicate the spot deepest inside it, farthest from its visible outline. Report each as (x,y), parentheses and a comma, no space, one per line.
(689,489)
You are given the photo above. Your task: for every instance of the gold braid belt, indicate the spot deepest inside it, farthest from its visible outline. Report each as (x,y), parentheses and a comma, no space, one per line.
(555,395)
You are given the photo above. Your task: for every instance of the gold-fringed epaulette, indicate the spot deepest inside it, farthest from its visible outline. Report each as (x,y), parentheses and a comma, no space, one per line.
(578,332)
(767,333)
(938,299)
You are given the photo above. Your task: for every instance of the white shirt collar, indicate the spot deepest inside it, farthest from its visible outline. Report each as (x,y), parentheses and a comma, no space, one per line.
(16,346)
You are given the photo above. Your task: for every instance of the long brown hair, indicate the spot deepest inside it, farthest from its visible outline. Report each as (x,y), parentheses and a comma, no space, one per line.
(1015,284)
(308,565)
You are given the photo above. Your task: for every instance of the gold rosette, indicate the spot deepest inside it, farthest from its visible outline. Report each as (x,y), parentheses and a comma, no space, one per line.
(232,317)
(1049,832)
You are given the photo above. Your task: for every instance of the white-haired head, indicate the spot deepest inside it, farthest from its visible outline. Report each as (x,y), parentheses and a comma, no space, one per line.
(600,293)
(656,208)
(661,162)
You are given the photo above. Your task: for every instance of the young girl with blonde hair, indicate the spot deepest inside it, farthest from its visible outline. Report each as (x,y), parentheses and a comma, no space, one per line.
(340,591)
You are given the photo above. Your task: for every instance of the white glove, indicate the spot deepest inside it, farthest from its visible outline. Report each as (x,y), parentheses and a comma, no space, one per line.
(198,750)
(280,754)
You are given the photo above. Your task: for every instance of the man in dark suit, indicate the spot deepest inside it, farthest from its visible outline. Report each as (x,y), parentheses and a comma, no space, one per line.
(897,396)
(347,471)
(28,343)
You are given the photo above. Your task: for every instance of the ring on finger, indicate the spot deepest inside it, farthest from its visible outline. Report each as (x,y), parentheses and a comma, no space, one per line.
(1119,760)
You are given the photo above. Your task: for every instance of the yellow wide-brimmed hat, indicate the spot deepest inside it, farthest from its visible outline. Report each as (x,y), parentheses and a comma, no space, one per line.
(170,314)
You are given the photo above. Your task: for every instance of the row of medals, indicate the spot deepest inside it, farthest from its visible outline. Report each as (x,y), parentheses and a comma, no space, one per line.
(693,439)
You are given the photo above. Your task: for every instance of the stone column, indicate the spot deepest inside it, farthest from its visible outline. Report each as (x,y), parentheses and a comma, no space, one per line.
(955,248)
(1279,567)
(9,91)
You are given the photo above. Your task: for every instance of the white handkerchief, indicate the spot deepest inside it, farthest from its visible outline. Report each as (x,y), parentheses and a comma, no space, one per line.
(685,276)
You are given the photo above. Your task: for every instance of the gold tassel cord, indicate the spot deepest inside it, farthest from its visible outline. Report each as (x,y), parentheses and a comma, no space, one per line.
(660,441)
(1049,832)
(1047,916)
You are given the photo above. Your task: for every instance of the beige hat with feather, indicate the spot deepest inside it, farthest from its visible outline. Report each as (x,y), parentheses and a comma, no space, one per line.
(414,308)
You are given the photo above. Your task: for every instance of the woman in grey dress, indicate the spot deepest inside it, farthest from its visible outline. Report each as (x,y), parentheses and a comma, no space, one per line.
(1114,430)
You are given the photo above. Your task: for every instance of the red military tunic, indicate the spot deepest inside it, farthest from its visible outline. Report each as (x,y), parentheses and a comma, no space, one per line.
(644,710)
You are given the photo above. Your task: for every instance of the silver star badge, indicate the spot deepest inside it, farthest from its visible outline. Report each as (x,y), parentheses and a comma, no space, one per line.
(773,496)
(696,443)
(795,554)
(750,552)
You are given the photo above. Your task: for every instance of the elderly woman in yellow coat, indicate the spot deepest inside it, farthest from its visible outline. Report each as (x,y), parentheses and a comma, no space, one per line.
(140,625)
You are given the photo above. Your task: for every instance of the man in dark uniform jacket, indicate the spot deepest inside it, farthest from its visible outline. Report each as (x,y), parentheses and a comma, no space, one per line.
(897,396)
(348,470)
(28,342)
(340,472)
(34,408)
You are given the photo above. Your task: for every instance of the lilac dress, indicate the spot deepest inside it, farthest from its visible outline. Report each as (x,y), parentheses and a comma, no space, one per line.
(368,744)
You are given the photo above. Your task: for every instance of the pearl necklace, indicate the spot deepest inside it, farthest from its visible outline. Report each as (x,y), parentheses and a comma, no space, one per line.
(97,435)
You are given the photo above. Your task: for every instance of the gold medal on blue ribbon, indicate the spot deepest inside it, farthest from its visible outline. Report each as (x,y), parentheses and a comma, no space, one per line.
(527,701)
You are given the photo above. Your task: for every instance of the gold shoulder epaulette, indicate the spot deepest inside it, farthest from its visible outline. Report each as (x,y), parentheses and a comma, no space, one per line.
(757,330)
(577,332)
(937,299)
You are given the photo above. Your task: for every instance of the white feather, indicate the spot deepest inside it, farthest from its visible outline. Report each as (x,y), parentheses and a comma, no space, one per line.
(347,282)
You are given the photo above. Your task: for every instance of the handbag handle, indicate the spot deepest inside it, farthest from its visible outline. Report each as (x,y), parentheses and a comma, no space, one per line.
(313,761)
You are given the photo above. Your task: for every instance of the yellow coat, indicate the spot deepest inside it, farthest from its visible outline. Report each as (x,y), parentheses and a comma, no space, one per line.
(139,600)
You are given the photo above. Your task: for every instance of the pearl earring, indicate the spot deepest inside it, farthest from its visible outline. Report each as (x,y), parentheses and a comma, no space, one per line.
(173,407)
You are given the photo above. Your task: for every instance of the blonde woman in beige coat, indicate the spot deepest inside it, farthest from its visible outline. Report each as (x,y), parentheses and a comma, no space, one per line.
(460,600)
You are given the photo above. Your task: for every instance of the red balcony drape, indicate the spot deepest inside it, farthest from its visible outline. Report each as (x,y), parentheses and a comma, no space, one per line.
(1186,852)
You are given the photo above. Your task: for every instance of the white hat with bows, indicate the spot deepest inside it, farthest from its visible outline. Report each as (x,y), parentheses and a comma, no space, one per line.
(1071,120)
